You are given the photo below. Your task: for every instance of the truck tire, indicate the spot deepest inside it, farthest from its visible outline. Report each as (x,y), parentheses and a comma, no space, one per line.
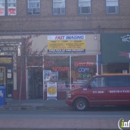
(81,104)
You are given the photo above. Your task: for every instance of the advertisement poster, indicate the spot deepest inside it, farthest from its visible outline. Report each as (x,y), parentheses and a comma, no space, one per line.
(2,11)
(51,90)
(12,11)
(47,75)
(66,44)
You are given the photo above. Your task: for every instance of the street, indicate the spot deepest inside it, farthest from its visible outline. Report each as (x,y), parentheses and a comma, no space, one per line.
(95,118)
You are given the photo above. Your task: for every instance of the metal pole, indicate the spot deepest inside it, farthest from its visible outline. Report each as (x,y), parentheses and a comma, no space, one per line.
(97,64)
(70,73)
(43,78)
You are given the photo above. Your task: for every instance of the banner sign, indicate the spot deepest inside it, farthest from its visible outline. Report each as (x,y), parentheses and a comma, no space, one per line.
(115,48)
(51,90)
(66,44)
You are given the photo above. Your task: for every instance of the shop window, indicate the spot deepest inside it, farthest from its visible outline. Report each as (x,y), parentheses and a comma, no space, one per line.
(7,7)
(112,6)
(57,69)
(33,7)
(58,7)
(84,6)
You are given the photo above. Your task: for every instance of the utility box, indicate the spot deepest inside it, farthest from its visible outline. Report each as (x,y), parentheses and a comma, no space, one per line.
(2,95)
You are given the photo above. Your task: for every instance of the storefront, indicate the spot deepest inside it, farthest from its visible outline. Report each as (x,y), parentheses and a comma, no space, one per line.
(6,74)
(70,61)
(115,53)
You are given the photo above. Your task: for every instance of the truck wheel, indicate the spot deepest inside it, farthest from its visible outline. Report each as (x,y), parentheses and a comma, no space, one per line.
(81,104)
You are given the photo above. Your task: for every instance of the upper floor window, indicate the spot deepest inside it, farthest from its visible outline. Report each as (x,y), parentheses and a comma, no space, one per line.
(58,7)
(7,7)
(33,7)
(2,7)
(112,7)
(84,6)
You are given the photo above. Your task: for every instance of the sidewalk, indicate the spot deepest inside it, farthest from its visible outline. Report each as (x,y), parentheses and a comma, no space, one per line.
(34,104)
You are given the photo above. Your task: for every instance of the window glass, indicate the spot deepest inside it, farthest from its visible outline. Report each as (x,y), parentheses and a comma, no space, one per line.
(33,7)
(98,82)
(58,7)
(84,6)
(11,7)
(2,7)
(118,81)
(112,7)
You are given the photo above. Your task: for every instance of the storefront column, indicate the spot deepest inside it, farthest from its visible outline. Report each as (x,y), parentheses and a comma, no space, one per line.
(27,97)
(129,67)
(101,68)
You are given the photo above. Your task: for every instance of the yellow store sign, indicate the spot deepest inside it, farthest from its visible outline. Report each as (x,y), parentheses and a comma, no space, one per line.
(66,44)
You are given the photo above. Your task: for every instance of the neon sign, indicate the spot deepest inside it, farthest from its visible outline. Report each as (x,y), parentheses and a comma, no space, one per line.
(83,64)
(63,69)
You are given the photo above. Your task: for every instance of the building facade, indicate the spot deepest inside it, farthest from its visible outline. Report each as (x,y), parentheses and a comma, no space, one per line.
(77,36)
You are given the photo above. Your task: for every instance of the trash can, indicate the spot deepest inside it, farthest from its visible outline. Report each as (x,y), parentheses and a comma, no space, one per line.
(2,95)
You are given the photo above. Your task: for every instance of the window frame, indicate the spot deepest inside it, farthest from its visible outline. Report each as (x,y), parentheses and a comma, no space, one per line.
(6,8)
(59,13)
(33,8)
(15,7)
(80,8)
(114,7)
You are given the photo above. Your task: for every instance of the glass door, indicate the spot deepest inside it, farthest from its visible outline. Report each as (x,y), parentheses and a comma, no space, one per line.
(2,76)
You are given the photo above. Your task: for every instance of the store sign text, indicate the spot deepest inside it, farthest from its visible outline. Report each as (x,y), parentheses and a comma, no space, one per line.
(66,37)
(119,91)
(63,69)
(83,69)
(83,76)
(83,64)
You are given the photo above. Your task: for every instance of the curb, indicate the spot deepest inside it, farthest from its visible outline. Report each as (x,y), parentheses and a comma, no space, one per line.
(31,107)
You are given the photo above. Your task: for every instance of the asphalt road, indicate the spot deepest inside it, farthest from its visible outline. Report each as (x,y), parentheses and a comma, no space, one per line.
(94,112)
(96,118)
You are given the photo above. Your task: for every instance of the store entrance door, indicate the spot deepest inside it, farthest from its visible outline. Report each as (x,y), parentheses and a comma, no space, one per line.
(2,76)
(35,83)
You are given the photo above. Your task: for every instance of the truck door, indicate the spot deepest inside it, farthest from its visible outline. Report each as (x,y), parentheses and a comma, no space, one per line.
(97,91)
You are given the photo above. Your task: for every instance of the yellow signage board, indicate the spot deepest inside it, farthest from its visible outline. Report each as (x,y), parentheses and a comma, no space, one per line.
(51,90)
(4,60)
(66,44)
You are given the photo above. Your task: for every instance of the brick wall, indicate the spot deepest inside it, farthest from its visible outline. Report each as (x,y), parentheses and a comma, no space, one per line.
(70,21)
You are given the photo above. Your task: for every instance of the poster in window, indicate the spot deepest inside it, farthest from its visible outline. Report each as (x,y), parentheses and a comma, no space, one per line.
(12,11)
(2,12)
